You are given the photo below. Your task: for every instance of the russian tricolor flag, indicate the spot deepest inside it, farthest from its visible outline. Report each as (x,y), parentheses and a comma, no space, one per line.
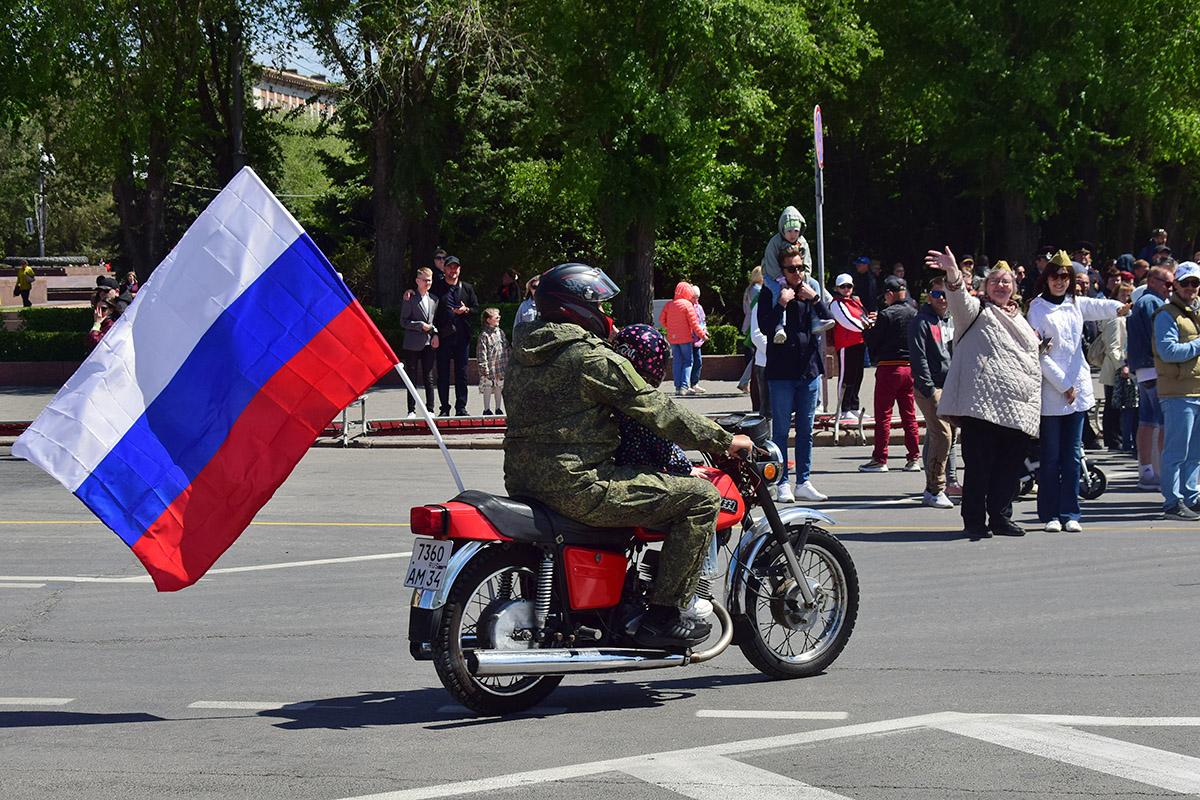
(201,399)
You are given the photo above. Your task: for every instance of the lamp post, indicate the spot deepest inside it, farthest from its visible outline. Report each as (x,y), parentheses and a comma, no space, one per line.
(45,167)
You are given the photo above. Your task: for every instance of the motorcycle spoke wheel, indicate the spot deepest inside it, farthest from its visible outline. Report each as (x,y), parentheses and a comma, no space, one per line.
(495,576)
(786,640)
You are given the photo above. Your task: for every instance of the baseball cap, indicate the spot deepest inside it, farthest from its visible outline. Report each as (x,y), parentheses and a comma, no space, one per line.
(843,279)
(1188,269)
(452,260)
(1162,248)
(894,284)
(862,260)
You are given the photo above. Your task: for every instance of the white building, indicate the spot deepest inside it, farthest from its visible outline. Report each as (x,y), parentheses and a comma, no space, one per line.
(289,90)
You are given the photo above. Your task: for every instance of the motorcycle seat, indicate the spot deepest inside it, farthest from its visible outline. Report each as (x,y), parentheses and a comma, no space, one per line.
(527,520)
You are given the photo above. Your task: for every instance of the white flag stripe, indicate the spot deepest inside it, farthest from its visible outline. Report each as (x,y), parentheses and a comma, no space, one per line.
(721,778)
(243,227)
(1134,762)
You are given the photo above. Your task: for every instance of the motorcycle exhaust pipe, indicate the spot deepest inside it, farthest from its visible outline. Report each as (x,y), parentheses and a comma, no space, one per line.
(569,661)
(595,660)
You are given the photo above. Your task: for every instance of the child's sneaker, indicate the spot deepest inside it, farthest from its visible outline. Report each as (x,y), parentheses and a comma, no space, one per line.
(780,335)
(821,325)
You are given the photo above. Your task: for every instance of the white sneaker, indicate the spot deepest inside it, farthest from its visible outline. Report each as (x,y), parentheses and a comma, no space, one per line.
(938,500)
(780,336)
(821,325)
(784,493)
(698,609)
(698,389)
(1054,526)
(849,416)
(1073,526)
(411,415)
(806,491)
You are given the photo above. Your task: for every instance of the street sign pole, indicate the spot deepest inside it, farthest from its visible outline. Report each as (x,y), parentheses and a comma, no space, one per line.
(819,152)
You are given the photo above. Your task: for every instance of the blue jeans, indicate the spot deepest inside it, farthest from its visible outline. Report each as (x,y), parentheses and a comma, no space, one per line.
(799,398)
(1058,475)
(1181,450)
(696,364)
(681,364)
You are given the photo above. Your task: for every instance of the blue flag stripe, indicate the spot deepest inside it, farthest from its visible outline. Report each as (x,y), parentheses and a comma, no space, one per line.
(271,321)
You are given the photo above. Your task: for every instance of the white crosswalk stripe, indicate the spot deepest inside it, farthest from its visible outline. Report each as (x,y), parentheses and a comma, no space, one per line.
(720,778)
(710,773)
(1135,762)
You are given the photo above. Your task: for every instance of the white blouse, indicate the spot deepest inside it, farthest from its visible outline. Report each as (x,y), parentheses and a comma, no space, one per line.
(1064,365)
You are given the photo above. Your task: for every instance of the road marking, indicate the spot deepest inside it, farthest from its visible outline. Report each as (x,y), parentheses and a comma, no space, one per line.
(721,778)
(21,585)
(687,772)
(313,563)
(767,714)
(571,771)
(1134,762)
(221,571)
(35,701)
(1124,722)
(250,705)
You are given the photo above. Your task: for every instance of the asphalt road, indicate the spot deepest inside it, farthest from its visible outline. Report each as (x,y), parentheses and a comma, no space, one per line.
(1057,666)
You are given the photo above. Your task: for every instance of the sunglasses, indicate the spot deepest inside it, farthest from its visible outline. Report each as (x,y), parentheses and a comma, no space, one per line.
(439,258)
(937,294)
(793,269)
(1060,276)
(1189,283)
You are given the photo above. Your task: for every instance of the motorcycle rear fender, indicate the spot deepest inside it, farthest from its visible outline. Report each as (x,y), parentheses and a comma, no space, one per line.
(436,598)
(752,542)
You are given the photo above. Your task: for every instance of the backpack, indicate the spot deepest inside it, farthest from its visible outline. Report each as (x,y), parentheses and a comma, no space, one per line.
(1095,352)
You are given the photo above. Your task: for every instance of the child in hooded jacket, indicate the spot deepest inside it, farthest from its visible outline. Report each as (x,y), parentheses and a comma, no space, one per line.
(679,318)
(647,351)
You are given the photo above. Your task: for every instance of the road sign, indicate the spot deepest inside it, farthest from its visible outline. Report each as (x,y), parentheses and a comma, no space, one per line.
(29,225)
(819,136)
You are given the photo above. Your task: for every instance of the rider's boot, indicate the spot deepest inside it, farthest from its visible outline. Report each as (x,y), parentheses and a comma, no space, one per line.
(664,626)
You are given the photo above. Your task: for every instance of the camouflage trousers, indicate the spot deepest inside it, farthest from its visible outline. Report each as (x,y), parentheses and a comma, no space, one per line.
(636,496)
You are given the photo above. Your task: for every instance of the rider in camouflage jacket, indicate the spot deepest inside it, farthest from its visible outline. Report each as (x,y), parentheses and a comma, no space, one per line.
(563,386)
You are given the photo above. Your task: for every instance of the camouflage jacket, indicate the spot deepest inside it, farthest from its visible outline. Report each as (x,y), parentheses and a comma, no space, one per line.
(562,435)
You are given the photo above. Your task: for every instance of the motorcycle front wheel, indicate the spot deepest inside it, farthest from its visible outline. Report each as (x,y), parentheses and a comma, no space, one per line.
(786,640)
(495,581)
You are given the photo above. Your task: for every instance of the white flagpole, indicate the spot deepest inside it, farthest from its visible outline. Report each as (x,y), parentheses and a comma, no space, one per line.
(432,427)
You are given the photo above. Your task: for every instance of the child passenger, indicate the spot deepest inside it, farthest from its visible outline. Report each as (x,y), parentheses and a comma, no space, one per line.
(647,350)
(492,353)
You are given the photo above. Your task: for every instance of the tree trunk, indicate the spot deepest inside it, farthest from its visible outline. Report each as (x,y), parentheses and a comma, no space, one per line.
(639,307)
(1020,232)
(391,223)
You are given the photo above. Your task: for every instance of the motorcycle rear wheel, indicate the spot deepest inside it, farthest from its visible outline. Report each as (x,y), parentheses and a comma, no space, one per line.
(496,575)
(784,640)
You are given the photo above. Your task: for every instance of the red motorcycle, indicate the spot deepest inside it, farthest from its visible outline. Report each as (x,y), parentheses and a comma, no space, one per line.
(510,597)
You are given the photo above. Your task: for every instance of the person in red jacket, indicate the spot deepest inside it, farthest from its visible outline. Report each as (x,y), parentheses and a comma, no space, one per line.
(679,318)
(851,318)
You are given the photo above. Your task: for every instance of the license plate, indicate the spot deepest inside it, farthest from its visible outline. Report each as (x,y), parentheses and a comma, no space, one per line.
(427,566)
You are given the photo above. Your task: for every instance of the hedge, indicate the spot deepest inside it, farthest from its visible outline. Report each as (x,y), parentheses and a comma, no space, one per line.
(43,345)
(52,318)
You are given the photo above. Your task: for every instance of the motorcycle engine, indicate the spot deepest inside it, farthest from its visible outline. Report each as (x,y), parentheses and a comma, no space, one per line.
(508,625)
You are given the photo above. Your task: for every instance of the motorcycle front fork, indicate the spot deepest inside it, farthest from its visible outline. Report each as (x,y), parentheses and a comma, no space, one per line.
(779,535)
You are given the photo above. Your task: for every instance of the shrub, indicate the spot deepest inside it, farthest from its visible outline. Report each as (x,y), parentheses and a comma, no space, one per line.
(42,345)
(51,318)
(722,340)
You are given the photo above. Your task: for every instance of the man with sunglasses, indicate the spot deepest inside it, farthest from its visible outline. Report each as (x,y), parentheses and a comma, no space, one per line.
(929,336)
(1141,363)
(1177,362)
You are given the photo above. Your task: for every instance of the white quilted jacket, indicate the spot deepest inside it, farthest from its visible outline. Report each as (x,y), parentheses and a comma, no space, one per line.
(994,373)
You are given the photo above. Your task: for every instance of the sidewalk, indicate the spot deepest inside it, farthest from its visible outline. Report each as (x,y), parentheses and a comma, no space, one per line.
(22,404)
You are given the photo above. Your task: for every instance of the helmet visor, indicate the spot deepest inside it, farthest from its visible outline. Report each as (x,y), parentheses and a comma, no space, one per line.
(593,286)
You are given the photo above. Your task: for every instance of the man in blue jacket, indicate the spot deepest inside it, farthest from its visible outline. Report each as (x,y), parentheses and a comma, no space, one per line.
(794,369)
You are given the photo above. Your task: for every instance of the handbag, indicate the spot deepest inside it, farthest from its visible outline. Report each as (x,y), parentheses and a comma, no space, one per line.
(1095,352)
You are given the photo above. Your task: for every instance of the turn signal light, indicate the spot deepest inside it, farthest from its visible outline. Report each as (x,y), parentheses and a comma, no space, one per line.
(429,521)
(769,472)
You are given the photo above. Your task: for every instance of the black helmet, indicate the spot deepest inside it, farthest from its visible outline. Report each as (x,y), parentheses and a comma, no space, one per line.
(573,293)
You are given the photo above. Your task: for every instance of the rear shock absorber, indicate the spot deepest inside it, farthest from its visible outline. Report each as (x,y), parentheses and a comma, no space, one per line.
(541,606)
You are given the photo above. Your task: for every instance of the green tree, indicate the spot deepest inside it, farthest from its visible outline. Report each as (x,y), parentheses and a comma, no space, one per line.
(661,107)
